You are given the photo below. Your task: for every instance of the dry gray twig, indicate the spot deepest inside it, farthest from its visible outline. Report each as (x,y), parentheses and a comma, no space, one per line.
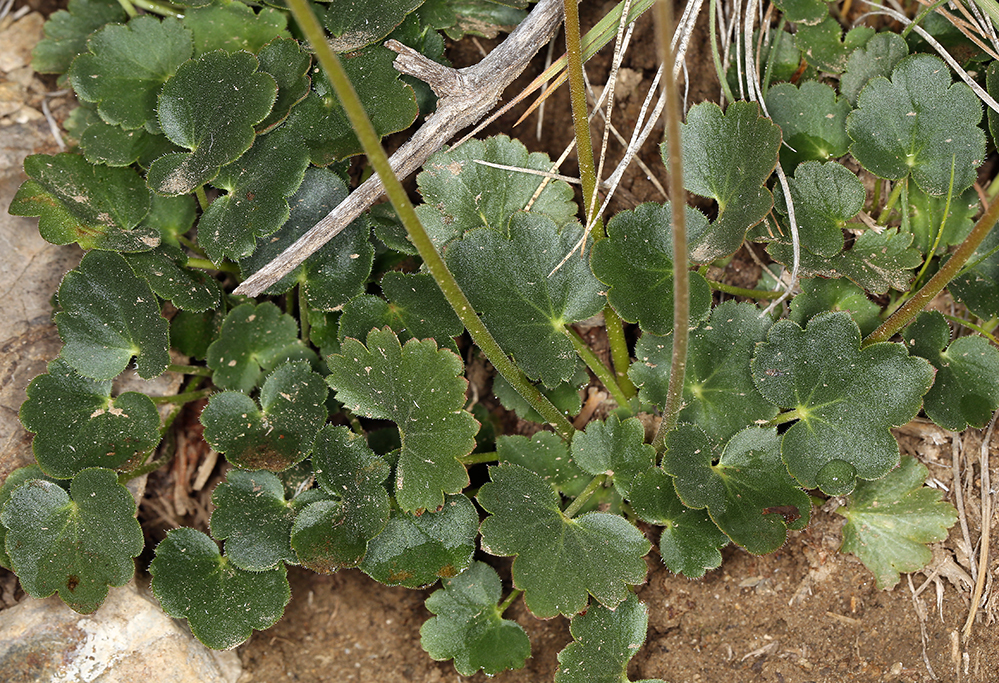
(465,96)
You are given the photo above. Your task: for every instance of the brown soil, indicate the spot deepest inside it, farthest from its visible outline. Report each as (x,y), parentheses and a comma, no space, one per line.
(803,614)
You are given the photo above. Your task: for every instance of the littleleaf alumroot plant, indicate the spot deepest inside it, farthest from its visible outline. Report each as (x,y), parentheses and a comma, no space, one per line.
(210,140)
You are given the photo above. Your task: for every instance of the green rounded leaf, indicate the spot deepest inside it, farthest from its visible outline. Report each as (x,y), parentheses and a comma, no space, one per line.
(14,481)
(103,143)
(744,485)
(565,396)
(222,603)
(812,120)
(339,270)
(253,339)
(877,58)
(461,194)
(78,424)
(711,139)
(558,560)
(108,316)
(615,448)
(360,24)
(210,107)
(927,220)
(278,434)
(288,62)
(690,542)
(826,48)
(978,285)
(66,33)
(421,389)
(546,455)
(165,269)
(321,122)
(890,521)
(825,197)
(416,551)
(804,11)
(469,627)
(604,641)
(233,26)
(636,261)
(332,534)
(919,123)
(965,391)
(76,543)
(95,206)
(526,305)
(127,65)
(719,394)
(253,517)
(819,295)
(846,398)
(258,185)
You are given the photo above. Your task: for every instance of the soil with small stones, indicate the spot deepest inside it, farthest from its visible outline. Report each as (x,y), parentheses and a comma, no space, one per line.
(803,614)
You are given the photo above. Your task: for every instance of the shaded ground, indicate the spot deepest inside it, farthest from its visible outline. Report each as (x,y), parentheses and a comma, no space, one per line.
(805,613)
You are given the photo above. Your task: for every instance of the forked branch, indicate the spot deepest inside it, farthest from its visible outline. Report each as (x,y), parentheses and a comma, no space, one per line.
(465,96)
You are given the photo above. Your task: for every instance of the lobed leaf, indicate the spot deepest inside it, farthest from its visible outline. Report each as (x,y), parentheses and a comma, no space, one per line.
(77,424)
(711,140)
(75,201)
(565,396)
(846,399)
(77,543)
(233,26)
(927,220)
(690,542)
(127,65)
(253,339)
(615,448)
(546,455)
(321,122)
(288,62)
(420,388)
(965,391)
(878,57)
(743,484)
(558,560)
(66,33)
(526,305)
(360,24)
(332,534)
(338,271)
(919,123)
(102,143)
(165,269)
(416,551)
(819,295)
(812,120)
(209,107)
(462,195)
(876,262)
(222,603)
(825,196)
(258,186)
(604,641)
(636,261)
(826,48)
(804,11)
(281,432)
(108,316)
(977,285)
(470,629)
(890,521)
(719,394)
(253,518)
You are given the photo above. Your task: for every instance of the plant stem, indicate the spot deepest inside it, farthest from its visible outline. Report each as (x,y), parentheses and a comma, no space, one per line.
(303,313)
(478,458)
(199,370)
(577,94)
(186,397)
(597,367)
(947,272)
(584,496)
(940,231)
(789,416)
(417,234)
(677,194)
(202,197)
(505,605)
(205,264)
(739,291)
(890,204)
(129,8)
(620,357)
